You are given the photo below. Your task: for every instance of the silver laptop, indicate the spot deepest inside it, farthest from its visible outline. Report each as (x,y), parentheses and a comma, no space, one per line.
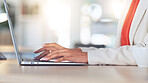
(31,61)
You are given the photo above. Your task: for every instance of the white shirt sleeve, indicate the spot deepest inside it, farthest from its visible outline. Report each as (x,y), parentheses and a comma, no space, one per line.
(116,56)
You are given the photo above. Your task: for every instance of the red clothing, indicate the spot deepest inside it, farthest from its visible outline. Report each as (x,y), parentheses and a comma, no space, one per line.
(127,23)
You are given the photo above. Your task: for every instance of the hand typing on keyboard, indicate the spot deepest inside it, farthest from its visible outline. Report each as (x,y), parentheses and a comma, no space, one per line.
(53,50)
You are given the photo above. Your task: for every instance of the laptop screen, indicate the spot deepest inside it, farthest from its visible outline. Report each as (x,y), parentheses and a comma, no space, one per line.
(12,32)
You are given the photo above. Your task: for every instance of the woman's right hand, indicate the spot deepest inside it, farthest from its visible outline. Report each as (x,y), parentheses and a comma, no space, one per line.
(47,48)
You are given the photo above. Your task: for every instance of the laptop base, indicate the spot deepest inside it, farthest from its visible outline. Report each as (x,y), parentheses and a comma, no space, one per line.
(24,63)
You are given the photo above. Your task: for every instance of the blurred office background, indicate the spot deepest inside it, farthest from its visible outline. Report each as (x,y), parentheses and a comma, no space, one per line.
(70,23)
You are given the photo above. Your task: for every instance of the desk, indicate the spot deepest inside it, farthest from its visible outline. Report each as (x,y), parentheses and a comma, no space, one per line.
(10,72)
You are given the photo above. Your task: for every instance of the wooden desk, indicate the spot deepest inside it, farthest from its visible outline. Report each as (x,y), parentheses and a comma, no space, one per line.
(10,72)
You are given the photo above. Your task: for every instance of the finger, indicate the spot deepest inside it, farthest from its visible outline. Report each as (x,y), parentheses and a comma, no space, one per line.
(50,48)
(45,49)
(60,59)
(53,45)
(41,55)
(40,50)
(46,57)
(56,52)
(54,55)
(50,44)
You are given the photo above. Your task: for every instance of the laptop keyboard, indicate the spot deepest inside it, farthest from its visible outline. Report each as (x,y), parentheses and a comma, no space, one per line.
(32,60)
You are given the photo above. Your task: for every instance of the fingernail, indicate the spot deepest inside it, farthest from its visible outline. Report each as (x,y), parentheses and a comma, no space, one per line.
(44,59)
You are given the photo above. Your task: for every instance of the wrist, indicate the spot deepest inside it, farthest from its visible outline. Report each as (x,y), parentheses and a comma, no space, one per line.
(78,49)
(85,57)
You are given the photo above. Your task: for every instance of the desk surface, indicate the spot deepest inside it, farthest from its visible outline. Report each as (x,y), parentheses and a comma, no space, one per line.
(10,72)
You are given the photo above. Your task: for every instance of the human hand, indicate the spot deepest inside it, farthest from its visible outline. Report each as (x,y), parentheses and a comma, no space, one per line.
(54,50)
(47,48)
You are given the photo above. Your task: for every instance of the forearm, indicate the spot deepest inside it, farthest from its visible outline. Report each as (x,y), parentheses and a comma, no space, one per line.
(117,56)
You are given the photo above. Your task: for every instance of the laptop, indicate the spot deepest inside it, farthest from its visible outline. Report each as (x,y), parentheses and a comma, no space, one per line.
(30,61)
